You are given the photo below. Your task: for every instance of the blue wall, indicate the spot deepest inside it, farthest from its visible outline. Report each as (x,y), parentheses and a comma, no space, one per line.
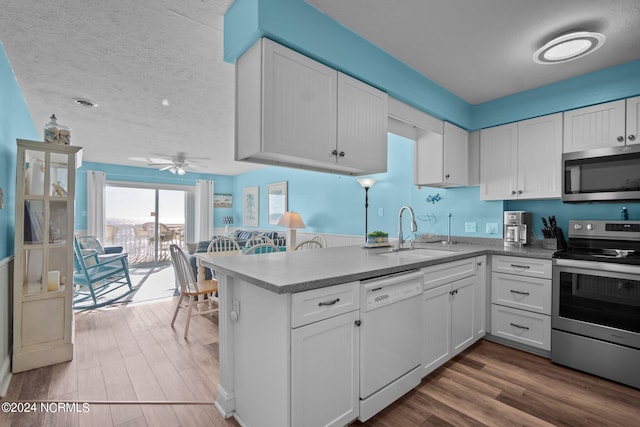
(132,174)
(15,122)
(301,27)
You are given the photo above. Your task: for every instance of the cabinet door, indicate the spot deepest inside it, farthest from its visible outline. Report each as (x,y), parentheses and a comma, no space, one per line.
(428,158)
(456,155)
(633,120)
(299,105)
(540,157)
(498,162)
(324,372)
(480,297)
(601,125)
(462,315)
(436,341)
(362,126)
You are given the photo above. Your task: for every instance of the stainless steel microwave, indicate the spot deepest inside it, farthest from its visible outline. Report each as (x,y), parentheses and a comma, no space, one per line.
(602,174)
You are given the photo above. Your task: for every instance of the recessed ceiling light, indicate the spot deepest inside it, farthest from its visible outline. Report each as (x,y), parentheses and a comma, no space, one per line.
(568,47)
(85,102)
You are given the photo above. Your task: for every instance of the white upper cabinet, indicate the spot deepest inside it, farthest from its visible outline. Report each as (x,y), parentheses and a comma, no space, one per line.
(522,160)
(442,160)
(604,125)
(294,111)
(362,126)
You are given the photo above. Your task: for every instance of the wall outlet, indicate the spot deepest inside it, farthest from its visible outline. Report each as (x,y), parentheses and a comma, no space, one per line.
(492,228)
(469,227)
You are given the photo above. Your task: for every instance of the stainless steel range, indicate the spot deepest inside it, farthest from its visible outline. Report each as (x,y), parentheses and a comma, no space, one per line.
(595,316)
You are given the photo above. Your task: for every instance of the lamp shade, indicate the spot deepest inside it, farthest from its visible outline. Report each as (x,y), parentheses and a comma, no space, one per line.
(366,182)
(291,220)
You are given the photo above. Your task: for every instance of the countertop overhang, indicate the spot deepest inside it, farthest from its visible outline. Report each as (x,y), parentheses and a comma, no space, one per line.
(299,271)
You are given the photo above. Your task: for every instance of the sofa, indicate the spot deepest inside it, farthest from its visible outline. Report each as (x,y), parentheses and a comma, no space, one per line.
(240,236)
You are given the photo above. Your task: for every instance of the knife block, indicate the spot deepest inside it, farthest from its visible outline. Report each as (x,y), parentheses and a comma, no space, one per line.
(555,244)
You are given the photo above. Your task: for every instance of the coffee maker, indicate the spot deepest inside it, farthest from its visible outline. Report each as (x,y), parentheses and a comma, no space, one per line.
(517,228)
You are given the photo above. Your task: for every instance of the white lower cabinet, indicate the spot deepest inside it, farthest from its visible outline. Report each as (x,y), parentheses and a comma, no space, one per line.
(324,372)
(454,312)
(325,356)
(521,300)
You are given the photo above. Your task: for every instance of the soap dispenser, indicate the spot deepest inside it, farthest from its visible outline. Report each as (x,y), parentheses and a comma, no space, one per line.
(624,213)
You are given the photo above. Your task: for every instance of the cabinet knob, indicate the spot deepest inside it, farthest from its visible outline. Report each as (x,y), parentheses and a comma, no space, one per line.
(341,154)
(447,176)
(357,323)
(632,137)
(334,152)
(519,191)
(513,192)
(620,138)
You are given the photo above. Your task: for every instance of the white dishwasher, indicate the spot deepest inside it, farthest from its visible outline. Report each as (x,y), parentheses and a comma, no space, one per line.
(390,345)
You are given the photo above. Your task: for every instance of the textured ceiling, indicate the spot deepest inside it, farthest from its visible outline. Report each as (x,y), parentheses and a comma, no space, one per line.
(130,56)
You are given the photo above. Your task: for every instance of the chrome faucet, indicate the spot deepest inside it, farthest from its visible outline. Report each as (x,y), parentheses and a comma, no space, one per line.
(414,226)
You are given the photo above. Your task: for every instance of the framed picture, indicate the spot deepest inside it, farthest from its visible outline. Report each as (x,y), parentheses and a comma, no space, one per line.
(222,200)
(251,204)
(277,201)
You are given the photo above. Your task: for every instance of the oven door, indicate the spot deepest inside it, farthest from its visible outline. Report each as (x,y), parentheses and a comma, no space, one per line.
(597,299)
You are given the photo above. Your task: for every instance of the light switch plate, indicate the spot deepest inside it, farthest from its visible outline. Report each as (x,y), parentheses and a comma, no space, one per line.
(380,211)
(470,227)
(492,228)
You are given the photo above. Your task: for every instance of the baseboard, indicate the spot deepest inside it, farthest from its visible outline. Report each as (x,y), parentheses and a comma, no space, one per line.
(518,346)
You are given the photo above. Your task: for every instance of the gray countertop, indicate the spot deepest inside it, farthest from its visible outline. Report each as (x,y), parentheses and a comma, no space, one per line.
(298,271)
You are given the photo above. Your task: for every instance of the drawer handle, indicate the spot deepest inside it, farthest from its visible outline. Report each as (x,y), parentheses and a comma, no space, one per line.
(321,303)
(520,266)
(519,292)
(515,325)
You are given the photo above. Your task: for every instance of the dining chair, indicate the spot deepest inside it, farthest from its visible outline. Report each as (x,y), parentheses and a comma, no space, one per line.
(258,239)
(308,245)
(222,246)
(320,239)
(192,292)
(261,248)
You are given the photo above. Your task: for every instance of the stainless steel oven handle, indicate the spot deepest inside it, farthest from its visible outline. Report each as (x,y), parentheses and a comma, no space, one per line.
(611,267)
(515,325)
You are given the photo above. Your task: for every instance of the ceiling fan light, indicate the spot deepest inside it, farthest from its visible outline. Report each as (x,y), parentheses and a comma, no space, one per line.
(569,47)
(173,170)
(180,171)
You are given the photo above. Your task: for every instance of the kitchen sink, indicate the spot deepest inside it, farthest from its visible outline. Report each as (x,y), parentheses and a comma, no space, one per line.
(417,253)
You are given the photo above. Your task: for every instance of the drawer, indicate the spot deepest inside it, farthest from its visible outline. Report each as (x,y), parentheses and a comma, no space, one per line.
(441,274)
(523,266)
(521,326)
(318,304)
(527,293)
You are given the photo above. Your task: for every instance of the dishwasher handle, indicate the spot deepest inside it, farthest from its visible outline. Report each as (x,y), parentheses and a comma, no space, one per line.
(392,279)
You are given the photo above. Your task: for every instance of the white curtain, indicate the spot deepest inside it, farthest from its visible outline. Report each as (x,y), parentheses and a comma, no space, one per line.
(96,185)
(204,210)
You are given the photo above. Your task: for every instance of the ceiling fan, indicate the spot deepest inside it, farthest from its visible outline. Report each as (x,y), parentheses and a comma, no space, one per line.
(177,165)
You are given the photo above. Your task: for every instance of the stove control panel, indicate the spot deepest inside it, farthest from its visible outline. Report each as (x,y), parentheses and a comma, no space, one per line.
(598,229)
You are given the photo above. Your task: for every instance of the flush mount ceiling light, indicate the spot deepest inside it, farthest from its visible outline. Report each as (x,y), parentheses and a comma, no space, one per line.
(85,102)
(569,47)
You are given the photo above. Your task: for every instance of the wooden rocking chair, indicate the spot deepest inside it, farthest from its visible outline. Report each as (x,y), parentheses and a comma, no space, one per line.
(98,281)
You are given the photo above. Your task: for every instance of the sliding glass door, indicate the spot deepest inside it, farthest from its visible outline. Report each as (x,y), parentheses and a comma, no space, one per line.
(145,220)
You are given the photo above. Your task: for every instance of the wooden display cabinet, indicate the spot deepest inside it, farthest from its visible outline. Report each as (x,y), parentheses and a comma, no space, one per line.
(43,267)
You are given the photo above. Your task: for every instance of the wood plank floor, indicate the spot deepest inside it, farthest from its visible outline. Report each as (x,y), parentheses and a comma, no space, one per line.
(131,354)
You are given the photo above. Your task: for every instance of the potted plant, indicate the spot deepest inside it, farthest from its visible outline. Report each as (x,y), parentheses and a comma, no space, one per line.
(377,237)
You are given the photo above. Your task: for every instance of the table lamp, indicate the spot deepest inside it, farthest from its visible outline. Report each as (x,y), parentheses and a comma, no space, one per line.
(291,220)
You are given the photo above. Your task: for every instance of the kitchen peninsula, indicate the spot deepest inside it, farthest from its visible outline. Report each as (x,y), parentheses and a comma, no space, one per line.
(289,349)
